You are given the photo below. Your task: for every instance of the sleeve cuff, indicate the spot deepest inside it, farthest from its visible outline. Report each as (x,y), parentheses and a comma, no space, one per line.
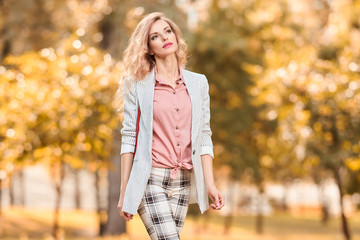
(127,148)
(207,150)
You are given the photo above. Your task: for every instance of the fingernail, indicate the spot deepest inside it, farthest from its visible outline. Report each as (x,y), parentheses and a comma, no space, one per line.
(218,205)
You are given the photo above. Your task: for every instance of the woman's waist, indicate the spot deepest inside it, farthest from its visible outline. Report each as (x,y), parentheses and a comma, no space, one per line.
(162,176)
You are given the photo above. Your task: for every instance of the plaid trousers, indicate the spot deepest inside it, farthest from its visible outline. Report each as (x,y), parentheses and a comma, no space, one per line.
(165,203)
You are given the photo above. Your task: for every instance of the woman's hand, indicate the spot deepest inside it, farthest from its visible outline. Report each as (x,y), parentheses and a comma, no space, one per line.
(216,197)
(126,216)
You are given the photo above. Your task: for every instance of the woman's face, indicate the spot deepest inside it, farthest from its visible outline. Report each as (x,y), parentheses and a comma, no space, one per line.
(162,40)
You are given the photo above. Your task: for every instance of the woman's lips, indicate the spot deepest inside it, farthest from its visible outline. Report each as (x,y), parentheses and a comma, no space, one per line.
(166,45)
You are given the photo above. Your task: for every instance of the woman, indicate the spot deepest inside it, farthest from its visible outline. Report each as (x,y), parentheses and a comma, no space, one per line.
(167,125)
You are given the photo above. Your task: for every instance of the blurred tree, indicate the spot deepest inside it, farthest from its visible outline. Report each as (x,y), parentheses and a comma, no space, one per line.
(66,97)
(114,177)
(226,42)
(310,85)
(263,61)
(37,24)
(34,24)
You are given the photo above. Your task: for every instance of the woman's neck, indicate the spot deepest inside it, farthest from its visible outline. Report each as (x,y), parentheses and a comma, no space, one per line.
(167,68)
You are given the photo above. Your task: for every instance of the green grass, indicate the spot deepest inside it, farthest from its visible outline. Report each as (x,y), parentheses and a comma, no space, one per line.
(80,225)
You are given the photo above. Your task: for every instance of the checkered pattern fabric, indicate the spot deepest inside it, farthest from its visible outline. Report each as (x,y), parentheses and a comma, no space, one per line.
(165,203)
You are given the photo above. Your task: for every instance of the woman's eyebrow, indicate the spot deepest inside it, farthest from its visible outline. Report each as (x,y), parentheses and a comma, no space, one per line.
(157,32)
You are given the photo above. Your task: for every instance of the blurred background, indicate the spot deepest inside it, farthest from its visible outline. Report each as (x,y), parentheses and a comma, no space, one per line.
(284,81)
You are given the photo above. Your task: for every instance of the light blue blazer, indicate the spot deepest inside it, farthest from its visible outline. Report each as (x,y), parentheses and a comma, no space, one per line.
(141,93)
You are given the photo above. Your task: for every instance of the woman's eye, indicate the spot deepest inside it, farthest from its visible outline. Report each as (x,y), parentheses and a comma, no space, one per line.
(153,37)
(168,31)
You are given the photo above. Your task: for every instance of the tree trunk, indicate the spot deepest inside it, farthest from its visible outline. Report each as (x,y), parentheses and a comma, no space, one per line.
(324,205)
(115,224)
(325,213)
(11,190)
(100,212)
(284,206)
(22,188)
(345,227)
(58,189)
(0,196)
(2,177)
(228,221)
(77,189)
(230,203)
(259,216)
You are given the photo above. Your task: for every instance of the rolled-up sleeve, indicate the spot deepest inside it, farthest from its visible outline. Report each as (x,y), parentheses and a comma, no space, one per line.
(128,130)
(206,141)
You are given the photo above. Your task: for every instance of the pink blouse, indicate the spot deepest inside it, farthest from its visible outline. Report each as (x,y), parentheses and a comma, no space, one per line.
(171,147)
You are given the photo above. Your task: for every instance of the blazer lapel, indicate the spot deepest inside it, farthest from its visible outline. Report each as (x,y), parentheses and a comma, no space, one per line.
(195,97)
(146,96)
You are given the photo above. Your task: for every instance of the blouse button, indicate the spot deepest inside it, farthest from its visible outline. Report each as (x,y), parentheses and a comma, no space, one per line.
(174,92)
(194,152)
(177,109)
(177,127)
(178,144)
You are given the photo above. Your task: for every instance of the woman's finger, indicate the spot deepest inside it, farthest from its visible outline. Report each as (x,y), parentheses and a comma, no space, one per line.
(216,200)
(124,216)
(222,200)
(129,216)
